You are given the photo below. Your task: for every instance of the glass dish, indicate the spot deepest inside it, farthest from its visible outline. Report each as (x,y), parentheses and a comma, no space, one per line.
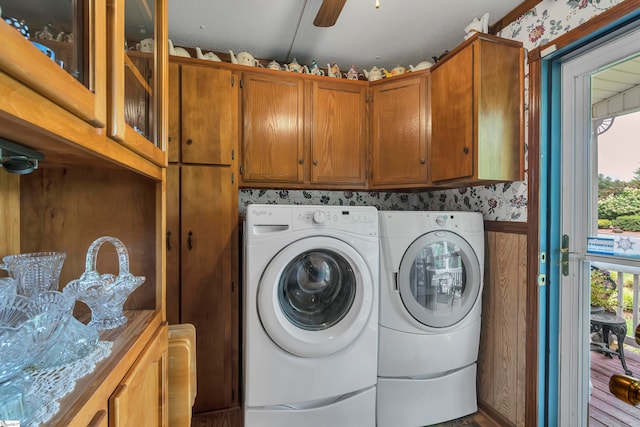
(8,289)
(28,326)
(105,294)
(35,272)
(76,340)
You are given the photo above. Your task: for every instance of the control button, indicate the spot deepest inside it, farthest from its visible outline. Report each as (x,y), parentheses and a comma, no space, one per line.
(319,217)
(441,220)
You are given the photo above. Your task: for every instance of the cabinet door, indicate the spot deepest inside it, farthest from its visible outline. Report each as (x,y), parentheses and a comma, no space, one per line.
(172,241)
(452,106)
(140,399)
(399,121)
(273,123)
(173,125)
(338,134)
(207,289)
(209,111)
(136,79)
(76,78)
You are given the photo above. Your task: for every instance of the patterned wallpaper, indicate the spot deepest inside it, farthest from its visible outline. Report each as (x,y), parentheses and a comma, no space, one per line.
(501,202)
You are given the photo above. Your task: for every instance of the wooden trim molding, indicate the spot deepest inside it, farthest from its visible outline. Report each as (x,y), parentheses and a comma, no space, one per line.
(594,24)
(510,17)
(494,415)
(506,227)
(533,244)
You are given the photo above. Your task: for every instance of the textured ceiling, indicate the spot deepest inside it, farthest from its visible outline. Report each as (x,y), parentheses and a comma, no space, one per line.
(403,32)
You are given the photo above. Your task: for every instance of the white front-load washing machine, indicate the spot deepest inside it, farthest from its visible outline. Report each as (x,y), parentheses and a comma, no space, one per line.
(431,282)
(311,277)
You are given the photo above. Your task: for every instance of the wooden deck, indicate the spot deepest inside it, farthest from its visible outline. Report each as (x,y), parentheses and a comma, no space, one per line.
(604,408)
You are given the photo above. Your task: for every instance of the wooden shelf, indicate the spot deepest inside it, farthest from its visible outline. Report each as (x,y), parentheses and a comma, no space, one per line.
(30,119)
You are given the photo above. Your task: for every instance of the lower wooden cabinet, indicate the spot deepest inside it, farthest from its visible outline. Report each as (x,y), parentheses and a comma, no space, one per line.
(202,275)
(140,399)
(129,386)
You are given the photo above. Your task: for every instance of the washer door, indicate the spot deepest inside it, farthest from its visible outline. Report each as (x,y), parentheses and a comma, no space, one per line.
(315,296)
(439,279)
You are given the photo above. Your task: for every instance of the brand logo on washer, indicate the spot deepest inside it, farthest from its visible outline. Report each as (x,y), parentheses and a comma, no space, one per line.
(260,212)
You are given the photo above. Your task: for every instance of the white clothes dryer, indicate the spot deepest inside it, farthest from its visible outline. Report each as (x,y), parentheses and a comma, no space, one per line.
(311,277)
(431,281)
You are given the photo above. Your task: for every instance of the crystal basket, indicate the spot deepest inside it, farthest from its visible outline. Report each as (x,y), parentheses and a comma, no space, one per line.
(105,294)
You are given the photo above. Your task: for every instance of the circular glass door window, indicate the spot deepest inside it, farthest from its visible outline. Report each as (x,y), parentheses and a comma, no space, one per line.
(317,289)
(439,279)
(316,296)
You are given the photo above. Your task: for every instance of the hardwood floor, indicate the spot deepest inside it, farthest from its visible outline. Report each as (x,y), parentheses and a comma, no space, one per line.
(479,419)
(604,408)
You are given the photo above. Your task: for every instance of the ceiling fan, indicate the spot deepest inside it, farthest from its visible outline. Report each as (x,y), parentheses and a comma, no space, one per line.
(328,13)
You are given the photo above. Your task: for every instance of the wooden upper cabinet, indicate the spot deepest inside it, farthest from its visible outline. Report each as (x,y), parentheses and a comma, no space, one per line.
(273,129)
(339,134)
(173,124)
(207,115)
(136,77)
(76,78)
(478,113)
(399,122)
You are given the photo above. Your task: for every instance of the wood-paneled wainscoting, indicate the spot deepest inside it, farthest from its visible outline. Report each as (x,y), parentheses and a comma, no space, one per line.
(502,361)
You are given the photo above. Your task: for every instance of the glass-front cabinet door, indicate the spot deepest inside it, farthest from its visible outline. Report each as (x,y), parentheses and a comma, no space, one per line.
(57,48)
(138,71)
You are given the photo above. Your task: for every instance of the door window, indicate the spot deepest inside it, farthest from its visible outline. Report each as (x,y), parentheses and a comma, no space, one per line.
(317,289)
(439,279)
(316,296)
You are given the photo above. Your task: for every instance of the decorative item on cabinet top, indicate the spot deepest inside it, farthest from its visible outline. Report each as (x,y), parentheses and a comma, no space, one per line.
(105,294)
(477,25)
(374,74)
(244,58)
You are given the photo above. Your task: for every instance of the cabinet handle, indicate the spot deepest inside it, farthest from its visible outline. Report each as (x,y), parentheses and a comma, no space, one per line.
(301,161)
(189,245)
(97,418)
(169,139)
(466,150)
(422,161)
(315,163)
(168,240)
(189,141)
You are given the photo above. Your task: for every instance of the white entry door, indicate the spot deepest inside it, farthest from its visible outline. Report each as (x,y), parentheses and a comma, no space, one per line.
(579,215)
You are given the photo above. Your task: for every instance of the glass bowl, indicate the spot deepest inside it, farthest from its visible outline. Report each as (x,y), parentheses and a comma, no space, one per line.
(28,327)
(8,289)
(35,272)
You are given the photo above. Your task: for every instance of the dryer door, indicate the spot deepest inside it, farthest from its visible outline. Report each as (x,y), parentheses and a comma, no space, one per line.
(439,279)
(315,296)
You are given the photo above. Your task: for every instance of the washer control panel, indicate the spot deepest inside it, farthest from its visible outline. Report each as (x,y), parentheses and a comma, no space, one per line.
(360,220)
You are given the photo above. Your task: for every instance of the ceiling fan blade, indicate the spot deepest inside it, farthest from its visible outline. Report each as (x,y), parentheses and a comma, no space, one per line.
(328,13)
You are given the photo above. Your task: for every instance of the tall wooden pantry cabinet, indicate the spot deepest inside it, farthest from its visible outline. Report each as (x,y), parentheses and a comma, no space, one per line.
(201,239)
